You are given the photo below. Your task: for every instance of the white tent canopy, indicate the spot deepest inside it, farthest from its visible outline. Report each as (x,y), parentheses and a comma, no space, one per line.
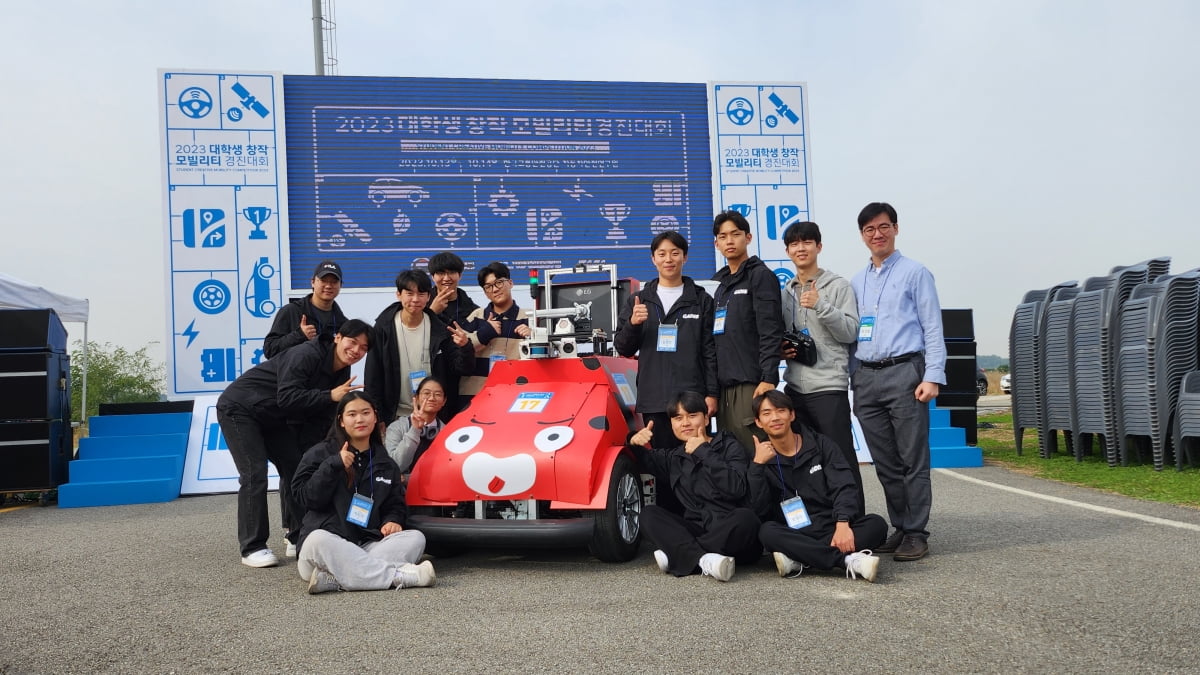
(24,295)
(17,294)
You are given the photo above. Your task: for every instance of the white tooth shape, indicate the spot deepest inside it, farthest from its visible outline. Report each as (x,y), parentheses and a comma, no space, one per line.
(516,474)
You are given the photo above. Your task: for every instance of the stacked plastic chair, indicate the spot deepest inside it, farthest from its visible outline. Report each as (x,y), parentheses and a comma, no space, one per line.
(1022,365)
(1176,356)
(1137,377)
(1187,421)
(1054,351)
(1025,361)
(1091,355)
(1127,279)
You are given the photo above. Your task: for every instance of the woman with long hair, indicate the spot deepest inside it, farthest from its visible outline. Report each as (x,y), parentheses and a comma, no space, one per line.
(353,536)
(409,437)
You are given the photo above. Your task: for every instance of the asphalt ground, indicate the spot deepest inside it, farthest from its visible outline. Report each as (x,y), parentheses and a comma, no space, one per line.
(1013,583)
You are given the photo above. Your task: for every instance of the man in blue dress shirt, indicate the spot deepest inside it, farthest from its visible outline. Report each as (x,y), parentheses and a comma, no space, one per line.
(900,363)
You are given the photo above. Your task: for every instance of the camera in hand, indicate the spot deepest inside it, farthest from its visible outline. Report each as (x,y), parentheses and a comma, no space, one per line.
(804,346)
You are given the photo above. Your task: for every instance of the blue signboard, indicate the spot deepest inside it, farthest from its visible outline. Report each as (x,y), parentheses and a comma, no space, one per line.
(385,172)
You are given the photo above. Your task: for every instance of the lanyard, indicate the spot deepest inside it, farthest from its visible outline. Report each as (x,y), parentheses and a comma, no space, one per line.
(875,310)
(779,468)
(370,473)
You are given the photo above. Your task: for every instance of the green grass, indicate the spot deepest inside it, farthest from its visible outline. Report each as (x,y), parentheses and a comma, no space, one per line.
(1140,481)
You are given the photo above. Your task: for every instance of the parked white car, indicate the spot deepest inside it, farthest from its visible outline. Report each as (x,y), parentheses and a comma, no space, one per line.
(1006,383)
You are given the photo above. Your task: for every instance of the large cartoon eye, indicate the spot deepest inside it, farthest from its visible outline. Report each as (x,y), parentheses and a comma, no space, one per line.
(464,439)
(553,438)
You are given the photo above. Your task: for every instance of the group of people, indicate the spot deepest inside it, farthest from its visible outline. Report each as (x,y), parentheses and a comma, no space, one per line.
(341,476)
(780,473)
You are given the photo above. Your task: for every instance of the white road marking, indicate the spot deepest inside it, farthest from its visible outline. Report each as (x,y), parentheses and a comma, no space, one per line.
(1071,502)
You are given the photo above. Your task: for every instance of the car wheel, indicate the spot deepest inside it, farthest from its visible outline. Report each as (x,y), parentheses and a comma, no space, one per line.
(617,529)
(982,387)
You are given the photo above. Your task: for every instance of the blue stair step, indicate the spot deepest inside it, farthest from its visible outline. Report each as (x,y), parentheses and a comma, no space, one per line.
(139,425)
(112,447)
(951,458)
(947,436)
(938,417)
(125,468)
(110,493)
(128,459)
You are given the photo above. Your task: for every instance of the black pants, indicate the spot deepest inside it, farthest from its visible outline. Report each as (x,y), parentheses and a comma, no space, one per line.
(252,444)
(734,534)
(811,546)
(828,413)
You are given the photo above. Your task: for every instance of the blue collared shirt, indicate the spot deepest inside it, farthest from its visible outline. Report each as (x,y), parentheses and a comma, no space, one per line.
(901,295)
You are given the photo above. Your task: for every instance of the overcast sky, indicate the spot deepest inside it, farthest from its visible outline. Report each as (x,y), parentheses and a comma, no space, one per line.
(1024,142)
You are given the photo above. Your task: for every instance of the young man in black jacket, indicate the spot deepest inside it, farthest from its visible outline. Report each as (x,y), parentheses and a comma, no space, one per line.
(449,302)
(270,411)
(668,325)
(748,326)
(411,343)
(353,537)
(805,493)
(305,318)
(708,477)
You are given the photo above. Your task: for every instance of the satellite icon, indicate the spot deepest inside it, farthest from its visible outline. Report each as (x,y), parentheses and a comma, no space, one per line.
(248,100)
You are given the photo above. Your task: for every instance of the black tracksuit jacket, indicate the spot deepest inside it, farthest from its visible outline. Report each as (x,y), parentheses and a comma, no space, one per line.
(691,367)
(285,330)
(319,487)
(749,349)
(709,483)
(818,473)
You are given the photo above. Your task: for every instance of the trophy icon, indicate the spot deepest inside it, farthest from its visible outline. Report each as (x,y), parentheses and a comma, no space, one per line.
(615,214)
(257,215)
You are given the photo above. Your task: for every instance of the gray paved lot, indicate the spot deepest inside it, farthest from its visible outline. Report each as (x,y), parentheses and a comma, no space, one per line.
(1013,584)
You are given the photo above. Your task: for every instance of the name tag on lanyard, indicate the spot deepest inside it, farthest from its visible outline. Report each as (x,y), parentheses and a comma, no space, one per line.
(668,337)
(360,510)
(719,321)
(795,513)
(866,328)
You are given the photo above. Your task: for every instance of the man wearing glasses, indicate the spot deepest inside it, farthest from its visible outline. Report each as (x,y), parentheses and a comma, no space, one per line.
(900,363)
(496,330)
(449,302)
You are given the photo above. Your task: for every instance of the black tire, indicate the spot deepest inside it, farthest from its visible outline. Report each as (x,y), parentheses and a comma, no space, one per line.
(981,386)
(618,529)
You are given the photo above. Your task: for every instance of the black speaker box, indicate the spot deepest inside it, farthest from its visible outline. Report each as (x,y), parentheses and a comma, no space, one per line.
(32,330)
(35,386)
(958,324)
(34,455)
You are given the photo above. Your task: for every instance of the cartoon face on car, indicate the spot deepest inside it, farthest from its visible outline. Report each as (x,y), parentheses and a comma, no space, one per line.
(516,443)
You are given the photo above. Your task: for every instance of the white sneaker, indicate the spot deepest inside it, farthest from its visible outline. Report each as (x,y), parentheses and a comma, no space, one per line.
(415,576)
(290,552)
(717,566)
(862,564)
(322,581)
(788,568)
(660,557)
(261,558)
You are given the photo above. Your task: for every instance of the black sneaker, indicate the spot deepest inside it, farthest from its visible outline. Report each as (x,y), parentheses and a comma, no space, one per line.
(912,548)
(891,543)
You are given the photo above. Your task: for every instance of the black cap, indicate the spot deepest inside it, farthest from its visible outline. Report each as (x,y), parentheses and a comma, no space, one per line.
(328,267)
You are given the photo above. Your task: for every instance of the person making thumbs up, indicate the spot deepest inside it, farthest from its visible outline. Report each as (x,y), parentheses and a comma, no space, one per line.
(305,318)
(708,475)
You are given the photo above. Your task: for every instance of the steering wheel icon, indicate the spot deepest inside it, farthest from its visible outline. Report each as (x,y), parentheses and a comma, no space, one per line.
(740,111)
(211,296)
(195,102)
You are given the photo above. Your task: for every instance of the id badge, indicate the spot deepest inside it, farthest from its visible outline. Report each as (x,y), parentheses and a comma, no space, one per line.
(415,377)
(494,359)
(795,513)
(668,337)
(866,328)
(719,322)
(360,510)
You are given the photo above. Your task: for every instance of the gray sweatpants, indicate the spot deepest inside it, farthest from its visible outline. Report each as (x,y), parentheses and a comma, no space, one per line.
(370,567)
(896,427)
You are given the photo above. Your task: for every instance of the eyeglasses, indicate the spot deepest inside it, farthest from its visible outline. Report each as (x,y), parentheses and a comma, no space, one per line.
(495,285)
(882,228)
(431,394)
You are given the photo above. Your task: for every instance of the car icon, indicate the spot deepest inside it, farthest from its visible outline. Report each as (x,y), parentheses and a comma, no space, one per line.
(258,298)
(394,188)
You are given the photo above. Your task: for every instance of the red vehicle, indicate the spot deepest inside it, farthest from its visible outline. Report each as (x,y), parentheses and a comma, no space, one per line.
(539,458)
